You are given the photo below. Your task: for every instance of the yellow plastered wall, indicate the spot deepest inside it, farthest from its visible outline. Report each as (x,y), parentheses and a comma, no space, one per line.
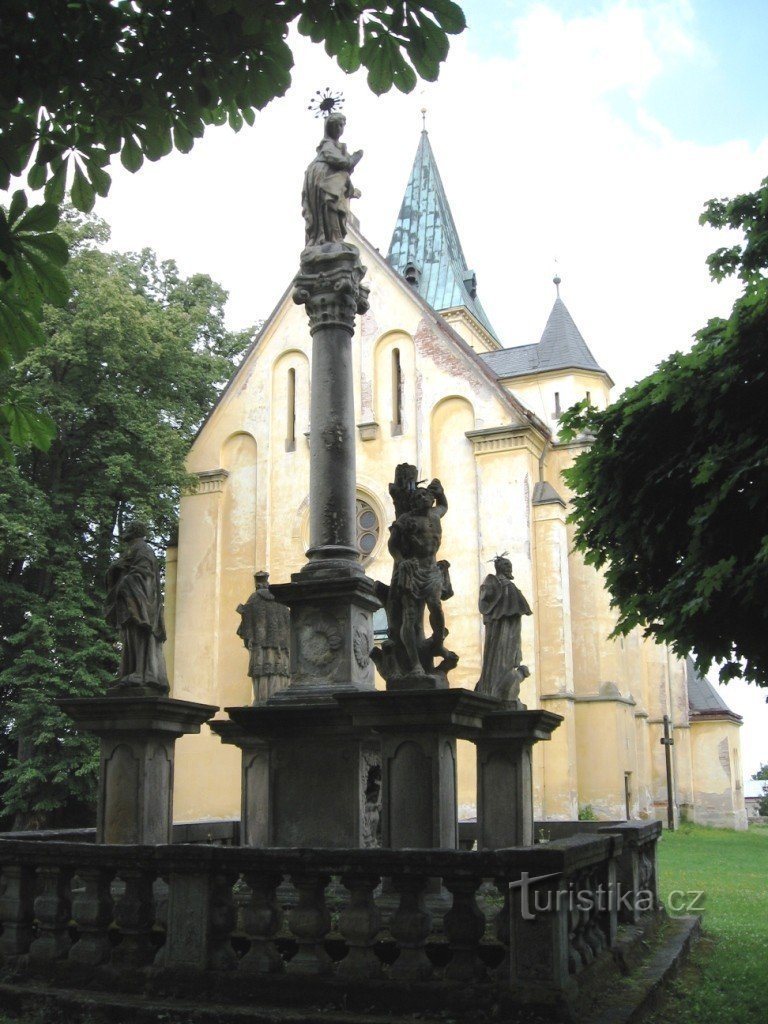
(716,756)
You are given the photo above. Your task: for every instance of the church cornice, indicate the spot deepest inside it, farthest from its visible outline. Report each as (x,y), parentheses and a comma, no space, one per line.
(209,481)
(461,313)
(565,371)
(507,438)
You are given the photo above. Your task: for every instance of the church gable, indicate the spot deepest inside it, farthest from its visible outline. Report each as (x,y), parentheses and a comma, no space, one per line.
(407,360)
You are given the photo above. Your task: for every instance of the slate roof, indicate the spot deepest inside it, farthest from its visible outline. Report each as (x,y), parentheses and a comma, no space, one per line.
(703,698)
(425,235)
(561,347)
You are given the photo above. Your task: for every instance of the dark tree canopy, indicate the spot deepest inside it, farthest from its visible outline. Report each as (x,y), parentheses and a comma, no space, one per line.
(83,82)
(671,498)
(129,368)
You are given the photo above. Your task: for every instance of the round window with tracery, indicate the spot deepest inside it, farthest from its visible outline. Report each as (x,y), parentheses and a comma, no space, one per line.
(368,528)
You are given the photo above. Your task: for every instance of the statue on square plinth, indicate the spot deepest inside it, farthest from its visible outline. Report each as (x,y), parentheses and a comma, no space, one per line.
(420,583)
(502,606)
(265,629)
(134,606)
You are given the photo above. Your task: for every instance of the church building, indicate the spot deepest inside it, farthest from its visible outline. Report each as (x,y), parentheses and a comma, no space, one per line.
(435,387)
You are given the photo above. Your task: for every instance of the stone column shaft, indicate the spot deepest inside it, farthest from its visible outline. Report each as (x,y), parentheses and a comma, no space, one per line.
(332,488)
(329,284)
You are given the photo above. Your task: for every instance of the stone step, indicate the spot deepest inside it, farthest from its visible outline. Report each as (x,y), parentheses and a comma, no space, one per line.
(632,997)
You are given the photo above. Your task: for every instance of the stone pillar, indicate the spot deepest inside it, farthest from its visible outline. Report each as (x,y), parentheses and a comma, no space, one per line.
(329,285)
(137,740)
(504,784)
(418,730)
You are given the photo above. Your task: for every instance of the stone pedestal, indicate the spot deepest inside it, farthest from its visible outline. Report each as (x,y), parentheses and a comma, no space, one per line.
(331,636)
(305,772)
(504,782)
(418,730)
(137,740)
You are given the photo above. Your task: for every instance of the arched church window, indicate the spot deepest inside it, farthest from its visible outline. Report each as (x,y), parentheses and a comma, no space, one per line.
(368,528)
(397,393)
(290,432)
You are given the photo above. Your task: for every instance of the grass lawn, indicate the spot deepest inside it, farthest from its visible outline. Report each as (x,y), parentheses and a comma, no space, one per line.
(727,977)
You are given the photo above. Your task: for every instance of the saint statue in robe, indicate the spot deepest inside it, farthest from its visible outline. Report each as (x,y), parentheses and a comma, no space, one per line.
(265,629)
(502,606)
(134,606)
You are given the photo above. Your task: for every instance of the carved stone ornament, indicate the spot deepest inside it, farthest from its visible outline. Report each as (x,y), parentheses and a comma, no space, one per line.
(361,645)
(329,284)
(319,641)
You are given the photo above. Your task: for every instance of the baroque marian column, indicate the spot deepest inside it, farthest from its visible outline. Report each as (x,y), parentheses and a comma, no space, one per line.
(331,599)
(308,771)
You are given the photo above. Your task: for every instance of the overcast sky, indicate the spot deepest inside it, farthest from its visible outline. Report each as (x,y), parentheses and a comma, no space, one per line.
(590,133)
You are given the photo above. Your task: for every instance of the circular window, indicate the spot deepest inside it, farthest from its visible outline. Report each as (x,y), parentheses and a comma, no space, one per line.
(367,527)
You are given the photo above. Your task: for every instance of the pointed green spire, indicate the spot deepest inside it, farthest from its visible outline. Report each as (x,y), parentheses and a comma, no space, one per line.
(425,246)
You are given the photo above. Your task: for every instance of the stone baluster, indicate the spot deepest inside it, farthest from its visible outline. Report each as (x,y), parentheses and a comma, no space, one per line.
(410,927)
(134,917)
(222,921)
(593,932)
(464,925)
(52,910)
(360,923)
(262,918)
(579,902)
(310,922)
(16,909)
(502,926)
(92,910)
(539,948)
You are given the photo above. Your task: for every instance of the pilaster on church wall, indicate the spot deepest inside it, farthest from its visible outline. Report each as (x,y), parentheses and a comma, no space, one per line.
(507,465)
(197,585)
(552,609)
(171,566)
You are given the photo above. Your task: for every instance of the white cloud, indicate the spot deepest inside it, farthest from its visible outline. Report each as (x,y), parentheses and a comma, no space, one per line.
(547,152)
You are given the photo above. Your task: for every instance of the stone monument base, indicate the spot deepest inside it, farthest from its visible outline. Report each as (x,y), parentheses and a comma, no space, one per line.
(309,776)
(137,745)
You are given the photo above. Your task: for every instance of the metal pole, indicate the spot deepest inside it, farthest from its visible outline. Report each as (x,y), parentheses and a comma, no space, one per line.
(667,742)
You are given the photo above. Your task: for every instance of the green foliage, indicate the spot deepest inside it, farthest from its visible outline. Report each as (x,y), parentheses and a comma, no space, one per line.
(31,257)
(128,369)
(90,81)
(670,497)
(761,775)
(587,813)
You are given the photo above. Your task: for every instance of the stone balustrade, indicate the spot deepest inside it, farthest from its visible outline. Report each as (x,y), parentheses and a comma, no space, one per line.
(519,921)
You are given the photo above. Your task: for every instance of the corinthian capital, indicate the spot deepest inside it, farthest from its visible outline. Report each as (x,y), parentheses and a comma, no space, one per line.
(329,284)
